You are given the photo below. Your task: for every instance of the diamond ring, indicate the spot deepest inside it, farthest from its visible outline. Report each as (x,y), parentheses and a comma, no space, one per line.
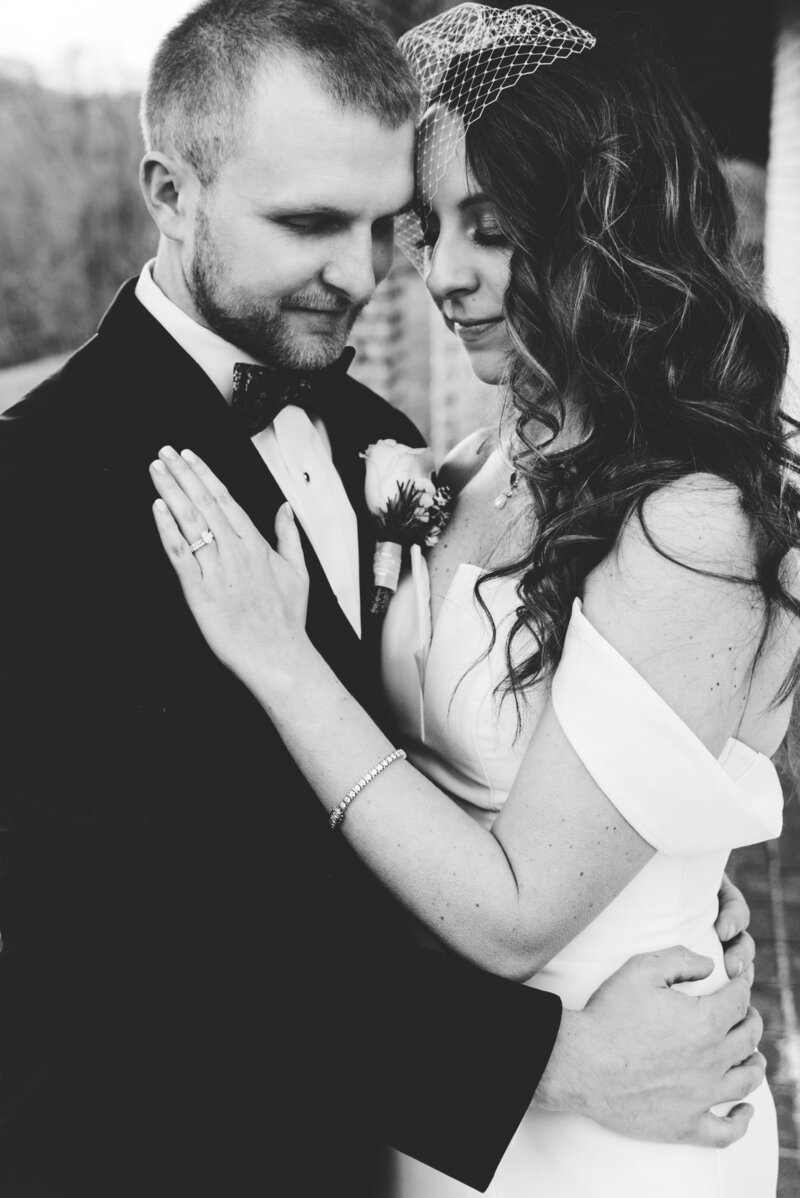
(206,537)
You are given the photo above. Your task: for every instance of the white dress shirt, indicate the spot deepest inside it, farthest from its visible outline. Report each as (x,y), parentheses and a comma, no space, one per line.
(295,449)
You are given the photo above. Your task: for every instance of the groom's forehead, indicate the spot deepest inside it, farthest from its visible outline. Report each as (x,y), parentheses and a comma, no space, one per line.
(290,112)
(303,149)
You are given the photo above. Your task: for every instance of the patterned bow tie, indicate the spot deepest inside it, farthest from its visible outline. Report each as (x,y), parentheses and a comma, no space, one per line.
(261,392)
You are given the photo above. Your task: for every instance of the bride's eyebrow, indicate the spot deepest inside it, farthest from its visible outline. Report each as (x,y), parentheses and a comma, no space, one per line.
(473,201)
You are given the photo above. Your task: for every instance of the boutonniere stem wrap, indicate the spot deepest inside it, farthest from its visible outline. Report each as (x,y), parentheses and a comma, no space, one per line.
(408,507)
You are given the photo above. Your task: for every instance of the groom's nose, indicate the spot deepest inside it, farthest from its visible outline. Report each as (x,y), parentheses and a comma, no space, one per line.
(356,268)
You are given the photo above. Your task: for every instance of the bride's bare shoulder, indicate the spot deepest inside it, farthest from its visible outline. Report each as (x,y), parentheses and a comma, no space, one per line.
(699,520)
(679,564)
(465,459)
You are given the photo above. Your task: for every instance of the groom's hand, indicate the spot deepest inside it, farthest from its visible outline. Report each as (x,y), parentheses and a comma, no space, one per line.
(731,927)
(649,1061)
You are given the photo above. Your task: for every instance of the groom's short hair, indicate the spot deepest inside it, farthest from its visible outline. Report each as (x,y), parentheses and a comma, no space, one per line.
(200,79)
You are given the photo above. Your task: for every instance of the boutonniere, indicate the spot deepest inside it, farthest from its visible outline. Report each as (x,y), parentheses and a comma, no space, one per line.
(408,507)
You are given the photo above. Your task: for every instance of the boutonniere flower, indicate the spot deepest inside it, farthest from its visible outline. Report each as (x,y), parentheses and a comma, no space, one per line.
(408,507)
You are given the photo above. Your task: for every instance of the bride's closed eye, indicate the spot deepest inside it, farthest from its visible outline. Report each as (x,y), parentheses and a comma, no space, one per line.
(483,229)
(486,231)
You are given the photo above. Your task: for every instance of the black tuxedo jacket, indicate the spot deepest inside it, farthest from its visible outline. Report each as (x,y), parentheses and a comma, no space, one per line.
(200,989)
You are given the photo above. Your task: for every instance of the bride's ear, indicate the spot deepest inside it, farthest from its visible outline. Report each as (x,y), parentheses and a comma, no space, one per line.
(170,189)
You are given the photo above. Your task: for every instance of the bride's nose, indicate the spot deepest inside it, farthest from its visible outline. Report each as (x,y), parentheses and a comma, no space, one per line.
(449,271)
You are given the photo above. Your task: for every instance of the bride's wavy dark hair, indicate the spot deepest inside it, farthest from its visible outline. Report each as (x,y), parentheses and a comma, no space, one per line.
(626,302)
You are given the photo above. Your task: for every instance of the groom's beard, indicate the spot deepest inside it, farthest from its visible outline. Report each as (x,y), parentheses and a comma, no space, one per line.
(263,328)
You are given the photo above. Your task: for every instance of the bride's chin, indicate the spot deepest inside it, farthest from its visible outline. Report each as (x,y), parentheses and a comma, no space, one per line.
(486,365)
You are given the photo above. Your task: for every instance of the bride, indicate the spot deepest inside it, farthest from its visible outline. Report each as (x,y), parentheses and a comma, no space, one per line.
(594,665)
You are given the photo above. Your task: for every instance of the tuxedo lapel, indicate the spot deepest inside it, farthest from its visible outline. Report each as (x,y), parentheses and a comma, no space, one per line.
(189,413)
(180,401)
(349,440)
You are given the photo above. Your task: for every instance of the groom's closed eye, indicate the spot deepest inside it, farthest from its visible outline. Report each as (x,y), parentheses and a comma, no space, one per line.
(310,224)
(328,226)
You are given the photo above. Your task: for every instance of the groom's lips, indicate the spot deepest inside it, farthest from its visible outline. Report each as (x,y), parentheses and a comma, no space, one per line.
(321,321)
(318,311)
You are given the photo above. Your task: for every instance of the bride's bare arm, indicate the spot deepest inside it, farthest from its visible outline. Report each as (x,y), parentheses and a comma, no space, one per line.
(510,898)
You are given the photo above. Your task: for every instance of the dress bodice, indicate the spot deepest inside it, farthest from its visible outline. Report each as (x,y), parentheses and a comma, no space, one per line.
(441,687)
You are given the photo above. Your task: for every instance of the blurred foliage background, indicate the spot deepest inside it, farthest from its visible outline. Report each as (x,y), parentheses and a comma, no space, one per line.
(72,223)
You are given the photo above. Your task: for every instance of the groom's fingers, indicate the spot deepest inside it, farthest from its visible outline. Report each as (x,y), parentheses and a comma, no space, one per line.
(719,1131)
(729,1017)
(740,954)
(734,913)
(743,1079)
(745,1038)
(671,965)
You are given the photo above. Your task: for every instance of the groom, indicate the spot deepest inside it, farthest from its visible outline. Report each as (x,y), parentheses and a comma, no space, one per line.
(200,991)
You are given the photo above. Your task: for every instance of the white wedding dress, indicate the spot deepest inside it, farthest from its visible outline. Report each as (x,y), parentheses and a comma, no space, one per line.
(690,806)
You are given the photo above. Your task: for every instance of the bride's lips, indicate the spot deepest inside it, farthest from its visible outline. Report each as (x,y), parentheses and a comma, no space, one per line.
(473,330)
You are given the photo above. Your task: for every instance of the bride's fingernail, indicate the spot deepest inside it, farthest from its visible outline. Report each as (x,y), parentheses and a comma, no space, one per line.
(158,466)
(188,456)
(159,503)
(167,452)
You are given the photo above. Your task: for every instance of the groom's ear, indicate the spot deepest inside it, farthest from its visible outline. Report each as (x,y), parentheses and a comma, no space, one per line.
(170,188)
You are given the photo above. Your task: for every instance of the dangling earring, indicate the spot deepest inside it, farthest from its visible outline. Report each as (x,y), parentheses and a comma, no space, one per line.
(504,496)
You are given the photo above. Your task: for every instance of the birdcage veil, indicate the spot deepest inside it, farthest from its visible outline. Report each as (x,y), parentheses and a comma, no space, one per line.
(467,56)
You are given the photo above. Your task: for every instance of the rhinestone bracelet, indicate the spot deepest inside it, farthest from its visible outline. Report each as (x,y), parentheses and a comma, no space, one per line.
(337,813)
